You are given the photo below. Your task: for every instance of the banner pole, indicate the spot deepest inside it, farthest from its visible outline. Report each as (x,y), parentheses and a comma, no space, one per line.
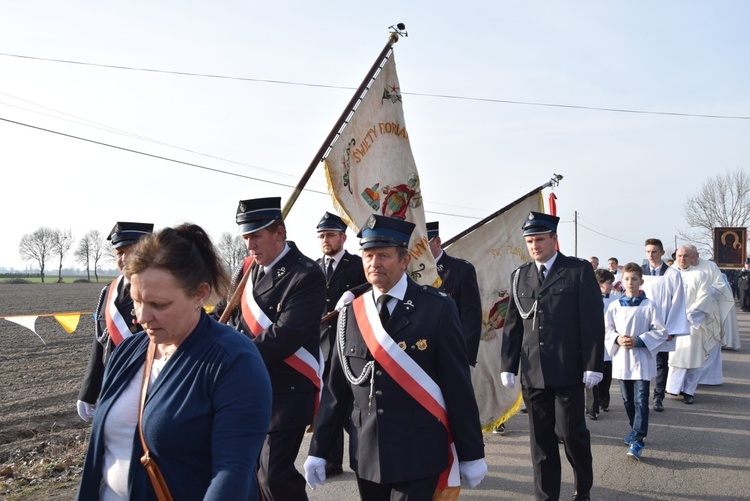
(342,121)
(552,182)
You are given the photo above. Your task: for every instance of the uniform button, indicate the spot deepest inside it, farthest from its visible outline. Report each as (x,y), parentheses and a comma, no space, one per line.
(541,327)
(291,388)
(378,372)
(380,411)
(378,392)
(351,350)
(328,300)
(541,344)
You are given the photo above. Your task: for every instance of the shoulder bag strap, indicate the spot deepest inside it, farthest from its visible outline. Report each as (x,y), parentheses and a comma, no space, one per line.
(157,480)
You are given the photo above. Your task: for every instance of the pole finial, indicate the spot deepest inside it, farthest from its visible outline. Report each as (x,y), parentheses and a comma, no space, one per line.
(396,31)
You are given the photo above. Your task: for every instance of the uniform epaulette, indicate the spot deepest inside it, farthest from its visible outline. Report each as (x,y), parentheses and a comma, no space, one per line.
(433,290)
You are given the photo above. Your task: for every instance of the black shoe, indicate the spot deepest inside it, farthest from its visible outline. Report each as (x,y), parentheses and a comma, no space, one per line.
(687,399)
(500,430)
(605,408)
(333,469)
(658,405)
(581,497)
(524,410)
(592,416)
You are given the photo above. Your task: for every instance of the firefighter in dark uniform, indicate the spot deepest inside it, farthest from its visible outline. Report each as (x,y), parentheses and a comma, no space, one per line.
(400,373)
(554,335)
(280,310)
(343,271)
(743,283)
(459,281)
(115,317)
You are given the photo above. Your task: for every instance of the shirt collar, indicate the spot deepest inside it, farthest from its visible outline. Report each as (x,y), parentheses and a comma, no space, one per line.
(336,257)
(286,250)
(548,264)
(398,291)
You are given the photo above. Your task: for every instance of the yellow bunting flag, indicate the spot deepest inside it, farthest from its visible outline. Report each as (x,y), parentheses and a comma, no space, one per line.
(68,321)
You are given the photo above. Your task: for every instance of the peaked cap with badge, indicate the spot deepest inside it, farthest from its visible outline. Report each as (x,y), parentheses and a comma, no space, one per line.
(538,223)
(331,222)
(257,213)
(383,231)
(433,230)
(127,233)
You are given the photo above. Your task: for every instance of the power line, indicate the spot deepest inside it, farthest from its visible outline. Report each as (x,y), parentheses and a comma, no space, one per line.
(440,96)
(189,164)
(159,157)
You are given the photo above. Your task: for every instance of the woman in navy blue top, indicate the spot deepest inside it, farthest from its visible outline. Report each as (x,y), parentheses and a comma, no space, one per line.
(209,395)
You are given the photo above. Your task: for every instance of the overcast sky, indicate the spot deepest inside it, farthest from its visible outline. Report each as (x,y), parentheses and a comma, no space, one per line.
(290,68)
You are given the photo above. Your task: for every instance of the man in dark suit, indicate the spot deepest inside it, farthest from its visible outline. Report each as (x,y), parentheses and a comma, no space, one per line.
(400,373)
(115,317)
(554,330)
(280,311)
(459,281)
(743,284)
(343,271)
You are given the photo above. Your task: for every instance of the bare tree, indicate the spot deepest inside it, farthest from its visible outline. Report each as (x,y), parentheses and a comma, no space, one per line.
(232,250)
(90,248)
(38,246)
(62,241)
(722,201)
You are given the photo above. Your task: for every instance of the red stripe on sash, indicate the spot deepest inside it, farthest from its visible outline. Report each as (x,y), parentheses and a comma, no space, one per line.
(114,332)
(404,379)
(295,361)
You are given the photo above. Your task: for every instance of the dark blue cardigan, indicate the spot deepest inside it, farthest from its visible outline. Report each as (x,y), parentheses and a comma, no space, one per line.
(205,419)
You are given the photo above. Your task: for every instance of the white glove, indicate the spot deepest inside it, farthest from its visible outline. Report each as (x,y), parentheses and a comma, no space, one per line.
(315,471)
(85,410)
(591,378)
(508,379)
(696,318)
(346,297)
(473,471)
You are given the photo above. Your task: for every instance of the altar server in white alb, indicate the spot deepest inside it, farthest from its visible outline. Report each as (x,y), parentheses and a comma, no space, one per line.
(634,335)
(663,286)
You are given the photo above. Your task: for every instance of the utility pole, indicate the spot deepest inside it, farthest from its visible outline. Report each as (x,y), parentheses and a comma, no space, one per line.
(575,233)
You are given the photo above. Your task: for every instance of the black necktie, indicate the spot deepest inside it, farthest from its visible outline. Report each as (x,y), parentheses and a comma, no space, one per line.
(329,268)
(260,275)
(385,315)
(542,269)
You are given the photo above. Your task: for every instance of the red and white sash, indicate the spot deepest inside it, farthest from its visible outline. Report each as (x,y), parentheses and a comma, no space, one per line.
(409,375)
(117,326)
(302,360)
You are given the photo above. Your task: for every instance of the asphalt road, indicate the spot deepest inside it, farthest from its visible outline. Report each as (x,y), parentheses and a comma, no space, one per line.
(693,452)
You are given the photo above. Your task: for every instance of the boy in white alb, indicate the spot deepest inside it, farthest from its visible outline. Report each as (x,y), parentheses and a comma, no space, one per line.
(634,335)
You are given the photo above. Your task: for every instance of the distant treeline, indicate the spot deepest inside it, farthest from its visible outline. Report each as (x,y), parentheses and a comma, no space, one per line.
(19,275)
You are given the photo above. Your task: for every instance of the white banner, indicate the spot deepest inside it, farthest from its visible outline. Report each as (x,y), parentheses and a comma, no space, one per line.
(495,249)
(371,169)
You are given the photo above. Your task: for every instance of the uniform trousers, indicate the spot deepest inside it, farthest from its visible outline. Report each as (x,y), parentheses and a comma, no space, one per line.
(421,489)
(662,370)
(558,411)
(279,479)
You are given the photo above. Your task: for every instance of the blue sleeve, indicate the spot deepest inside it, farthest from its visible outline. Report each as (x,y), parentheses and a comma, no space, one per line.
(242,412)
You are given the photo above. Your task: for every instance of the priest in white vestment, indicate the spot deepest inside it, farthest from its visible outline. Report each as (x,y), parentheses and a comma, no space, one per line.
(691,352)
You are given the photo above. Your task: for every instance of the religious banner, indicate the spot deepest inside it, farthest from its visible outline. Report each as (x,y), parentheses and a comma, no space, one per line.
(730,247)
(496,248)
(370,169)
